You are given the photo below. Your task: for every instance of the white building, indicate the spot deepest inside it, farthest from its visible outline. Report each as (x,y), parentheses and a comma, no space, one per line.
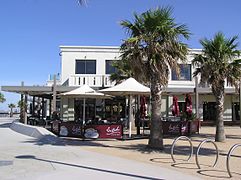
(91,65)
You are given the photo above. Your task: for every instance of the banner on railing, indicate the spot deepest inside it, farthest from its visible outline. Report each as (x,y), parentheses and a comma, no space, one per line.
(103,131)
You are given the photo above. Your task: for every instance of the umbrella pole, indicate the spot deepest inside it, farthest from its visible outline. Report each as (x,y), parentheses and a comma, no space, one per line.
(83,111)
(130,115)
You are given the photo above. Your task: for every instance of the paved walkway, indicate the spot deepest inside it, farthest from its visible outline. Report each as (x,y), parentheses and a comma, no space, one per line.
(23,157)
(137,150)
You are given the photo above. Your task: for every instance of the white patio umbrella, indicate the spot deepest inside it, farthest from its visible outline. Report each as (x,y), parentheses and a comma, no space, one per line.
(128,87)
(85,92)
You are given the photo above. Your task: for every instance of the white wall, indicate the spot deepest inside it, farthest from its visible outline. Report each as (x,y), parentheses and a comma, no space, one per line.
(69,55)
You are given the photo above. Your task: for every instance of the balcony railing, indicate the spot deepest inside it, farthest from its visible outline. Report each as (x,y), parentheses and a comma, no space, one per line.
(93,80)
(207,85)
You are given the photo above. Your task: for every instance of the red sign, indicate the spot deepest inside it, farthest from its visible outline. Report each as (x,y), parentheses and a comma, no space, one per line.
(103,131)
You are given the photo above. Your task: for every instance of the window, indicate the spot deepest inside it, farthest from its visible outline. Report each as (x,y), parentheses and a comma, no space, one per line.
(209,111)
(109,69)
(85,67)
(185,73)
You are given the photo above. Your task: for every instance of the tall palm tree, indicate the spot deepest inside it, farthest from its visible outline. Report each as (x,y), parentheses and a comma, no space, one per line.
(2,99)
(152,48)
(11,106)
(216,64)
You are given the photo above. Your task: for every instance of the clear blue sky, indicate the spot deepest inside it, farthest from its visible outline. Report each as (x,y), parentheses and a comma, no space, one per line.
(31,31)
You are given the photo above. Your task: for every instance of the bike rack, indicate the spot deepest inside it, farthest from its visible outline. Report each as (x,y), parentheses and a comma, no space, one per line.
(174,143)
(199,147)
(228,157)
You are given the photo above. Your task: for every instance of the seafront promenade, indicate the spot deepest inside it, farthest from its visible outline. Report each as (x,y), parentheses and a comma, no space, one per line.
(49,157)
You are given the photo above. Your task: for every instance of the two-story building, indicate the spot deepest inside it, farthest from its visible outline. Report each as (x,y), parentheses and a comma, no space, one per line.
(92,65)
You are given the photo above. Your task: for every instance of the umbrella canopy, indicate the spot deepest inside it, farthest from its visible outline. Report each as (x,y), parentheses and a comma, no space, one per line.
(127,87)
(175,107)
(85,92)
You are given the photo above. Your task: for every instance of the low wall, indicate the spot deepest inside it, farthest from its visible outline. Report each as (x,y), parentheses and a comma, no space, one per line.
(33,131)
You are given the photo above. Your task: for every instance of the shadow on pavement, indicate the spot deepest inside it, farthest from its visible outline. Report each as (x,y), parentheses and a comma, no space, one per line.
(162,160)
(208,173)
(185,165)
(87,167)
(212,136)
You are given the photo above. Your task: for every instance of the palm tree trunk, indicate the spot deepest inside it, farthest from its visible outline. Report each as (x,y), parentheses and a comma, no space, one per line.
(220,134)
(156,135)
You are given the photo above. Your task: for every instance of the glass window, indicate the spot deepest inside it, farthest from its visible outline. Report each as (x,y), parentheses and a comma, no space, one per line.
(109,69)
(185,73)
(85,67)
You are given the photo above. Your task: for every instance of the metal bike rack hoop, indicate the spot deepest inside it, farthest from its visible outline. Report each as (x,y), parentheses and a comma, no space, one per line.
(174,143)
(228,157)
(199,147)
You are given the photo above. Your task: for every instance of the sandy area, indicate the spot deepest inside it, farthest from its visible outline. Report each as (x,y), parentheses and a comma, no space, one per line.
(137,150)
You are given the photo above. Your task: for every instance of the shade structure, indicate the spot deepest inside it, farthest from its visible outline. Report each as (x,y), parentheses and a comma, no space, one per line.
(175,107)
(128,87)
(85,92)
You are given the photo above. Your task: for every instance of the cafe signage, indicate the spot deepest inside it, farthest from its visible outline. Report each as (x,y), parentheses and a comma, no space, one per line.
(103,131)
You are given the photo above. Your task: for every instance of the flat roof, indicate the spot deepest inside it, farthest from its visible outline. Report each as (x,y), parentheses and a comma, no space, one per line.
(47,91)
(39,91)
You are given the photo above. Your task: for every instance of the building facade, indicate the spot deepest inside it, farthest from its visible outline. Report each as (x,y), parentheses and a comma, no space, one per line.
(92,66)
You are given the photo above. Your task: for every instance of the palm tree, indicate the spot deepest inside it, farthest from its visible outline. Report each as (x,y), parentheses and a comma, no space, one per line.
(123,71)
(2,99)
(152,48)
(82,2)
(216,64)
(11,106)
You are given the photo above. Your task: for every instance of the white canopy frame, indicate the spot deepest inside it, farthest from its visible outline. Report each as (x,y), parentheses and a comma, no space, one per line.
(85,92)
(129,88)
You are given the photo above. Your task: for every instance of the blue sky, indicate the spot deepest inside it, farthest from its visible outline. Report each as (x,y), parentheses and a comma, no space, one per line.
(31,31)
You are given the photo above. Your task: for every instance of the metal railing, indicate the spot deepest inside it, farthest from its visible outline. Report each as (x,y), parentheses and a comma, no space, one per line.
(199,147)
(198,150)
(174,143)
